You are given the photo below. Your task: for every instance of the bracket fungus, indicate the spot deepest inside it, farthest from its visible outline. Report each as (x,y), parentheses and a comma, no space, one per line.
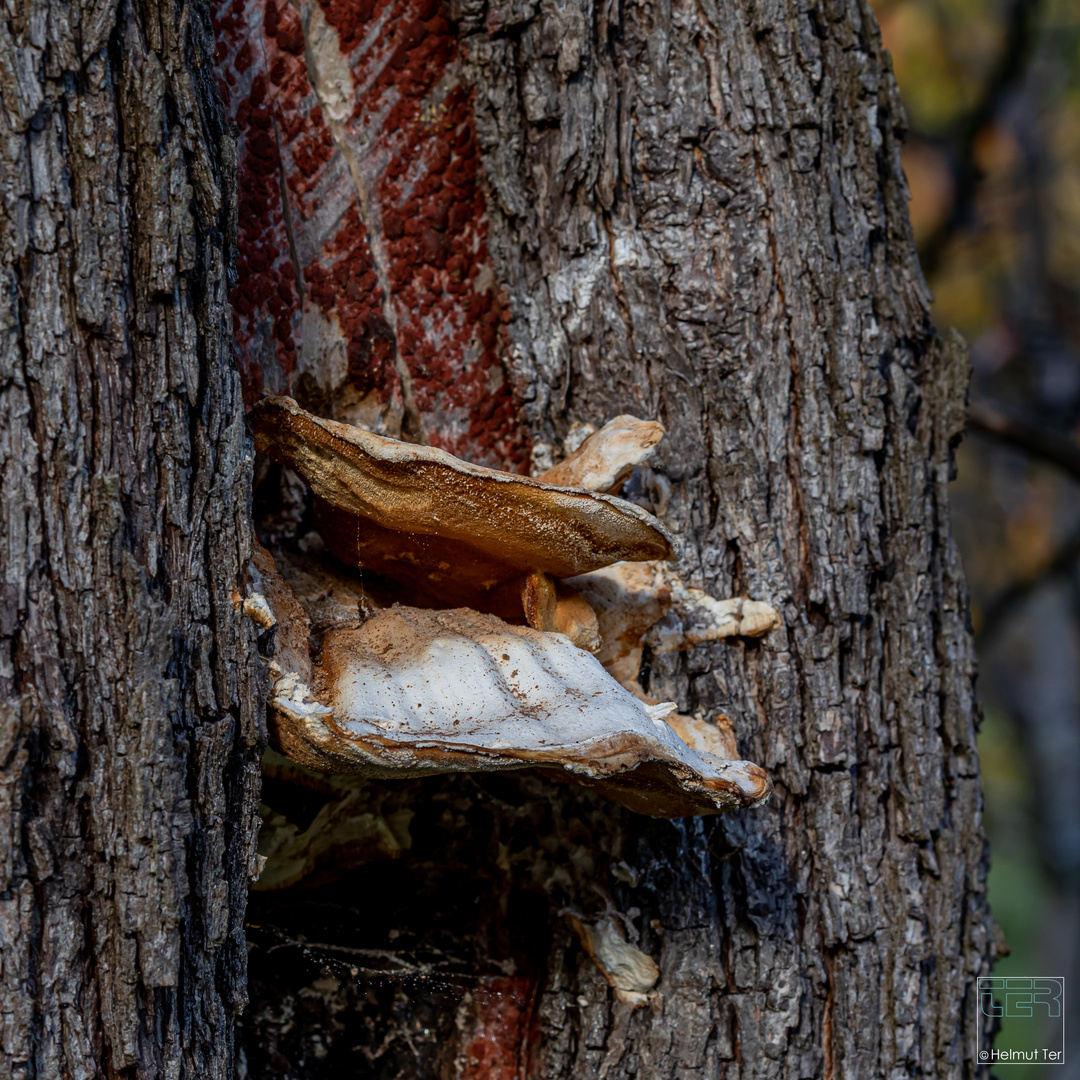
(414,691)
(646,603)
(628,971)
(605,460)
(446,684)
(451,534)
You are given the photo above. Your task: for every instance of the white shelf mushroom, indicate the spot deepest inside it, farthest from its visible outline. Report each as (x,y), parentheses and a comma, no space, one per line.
(414,692)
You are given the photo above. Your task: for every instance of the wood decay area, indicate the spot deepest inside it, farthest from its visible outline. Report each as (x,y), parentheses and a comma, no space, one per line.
(696,213)
(364,283)
(129,704)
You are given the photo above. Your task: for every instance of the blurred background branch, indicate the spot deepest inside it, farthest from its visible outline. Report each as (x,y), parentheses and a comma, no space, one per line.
(960,142)
(1053,449)
(1010,598)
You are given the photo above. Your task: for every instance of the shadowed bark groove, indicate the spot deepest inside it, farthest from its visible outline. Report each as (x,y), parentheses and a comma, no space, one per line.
(128,730)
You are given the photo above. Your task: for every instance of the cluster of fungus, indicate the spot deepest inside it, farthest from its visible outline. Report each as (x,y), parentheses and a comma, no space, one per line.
(513,628)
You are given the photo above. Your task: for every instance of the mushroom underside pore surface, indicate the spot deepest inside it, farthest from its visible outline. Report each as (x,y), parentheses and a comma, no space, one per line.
(413,692)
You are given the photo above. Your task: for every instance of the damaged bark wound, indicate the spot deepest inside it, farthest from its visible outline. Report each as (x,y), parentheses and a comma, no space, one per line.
(365,287)
(128,706)
(694,213)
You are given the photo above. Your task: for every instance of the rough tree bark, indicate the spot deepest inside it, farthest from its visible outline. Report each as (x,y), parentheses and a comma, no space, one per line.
(128,722)
(475,225)
(693,212)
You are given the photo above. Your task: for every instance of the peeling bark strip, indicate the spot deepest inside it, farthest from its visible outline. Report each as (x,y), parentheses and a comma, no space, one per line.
(128,775)
(697,213)
(364,284)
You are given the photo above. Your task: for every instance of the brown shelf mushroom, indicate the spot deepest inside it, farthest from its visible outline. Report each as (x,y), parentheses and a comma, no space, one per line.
(452,533)
(629,972)
(646,603)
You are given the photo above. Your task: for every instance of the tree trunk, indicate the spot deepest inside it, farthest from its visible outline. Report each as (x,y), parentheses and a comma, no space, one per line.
(128,722)
(476,226)
(694,213)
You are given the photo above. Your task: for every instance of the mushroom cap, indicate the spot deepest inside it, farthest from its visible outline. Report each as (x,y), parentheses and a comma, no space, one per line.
(509,521)
(629,972)
(605,460)
(414,691)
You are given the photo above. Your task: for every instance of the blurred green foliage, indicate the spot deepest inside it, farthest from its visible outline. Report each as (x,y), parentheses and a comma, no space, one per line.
(1020,890)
